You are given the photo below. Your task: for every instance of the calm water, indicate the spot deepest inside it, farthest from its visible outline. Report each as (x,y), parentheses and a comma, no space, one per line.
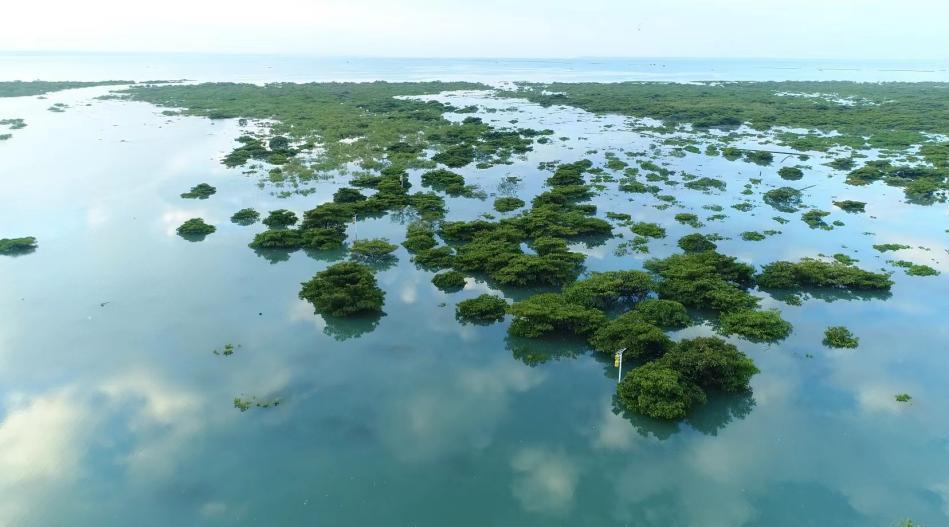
(120,414)
(269,68)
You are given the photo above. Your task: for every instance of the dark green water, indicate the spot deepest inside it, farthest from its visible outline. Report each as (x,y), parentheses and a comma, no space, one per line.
(120,414)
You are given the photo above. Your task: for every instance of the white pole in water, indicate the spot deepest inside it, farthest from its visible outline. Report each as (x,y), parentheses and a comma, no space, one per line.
(618,359)
(355,233)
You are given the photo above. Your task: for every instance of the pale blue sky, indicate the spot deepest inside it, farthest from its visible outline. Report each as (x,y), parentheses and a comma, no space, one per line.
(903,29)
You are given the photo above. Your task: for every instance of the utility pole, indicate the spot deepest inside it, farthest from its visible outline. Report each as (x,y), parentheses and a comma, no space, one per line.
(355,233)
(618,363)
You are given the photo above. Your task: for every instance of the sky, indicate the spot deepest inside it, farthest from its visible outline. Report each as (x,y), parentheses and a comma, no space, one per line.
(840,29)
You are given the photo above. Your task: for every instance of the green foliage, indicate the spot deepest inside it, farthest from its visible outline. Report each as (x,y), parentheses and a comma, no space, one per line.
(757,326)
(658,391)
(814,219)
(849,205)
(372,250)
(884,247)
(418,237)
(840,337)
(816,273)
(446,181)
(323,238)
(921,270)
(759,157)
(481,309)
(706,183)
(642,340)
(693,243)
(650,230)
(905,398)
(245,217)
(280,218)
(669,387)
(16,246)
(604,290)
(886,112)
(555,268)
(507,204)
(195,227)
(752,236)
(449,280)
(354,122)
(200,191)
(343,289)
(348,195)
(550,312)
(689,219)
(435,258)
(663,313)
(277,239)
(711,363)
(791,173)
(27,88)
(706,280)
(785,199)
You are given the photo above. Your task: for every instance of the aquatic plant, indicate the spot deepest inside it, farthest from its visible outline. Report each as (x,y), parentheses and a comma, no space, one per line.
(507,204)
(277,239)
(200,191)
(711,363)
(245,217)
(372,250)
(446,181)
(689,219)
(551,312)
(904,398)
(814,219)
(16,246)
(791,173)
(757,326)
(706,183)
(658,391)
(343,289)
(810,272)
(418,237)
(785,199)
(280,218)
(840,337)
(752,236)
(852,206)
(449,280)
(913,269)
(348,195)
(641,340)
(693,243)
(606,289)
(650,230)
(759,157)
(663,313)
(435,258)
(195,227)
(27,88)
(884,247)
(705,280)
(481,309)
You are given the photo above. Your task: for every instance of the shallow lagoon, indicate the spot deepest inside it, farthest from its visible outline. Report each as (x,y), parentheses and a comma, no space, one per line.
(122,413)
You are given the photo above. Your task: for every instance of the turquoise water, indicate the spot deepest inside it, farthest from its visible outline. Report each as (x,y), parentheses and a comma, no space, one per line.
(114,410)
